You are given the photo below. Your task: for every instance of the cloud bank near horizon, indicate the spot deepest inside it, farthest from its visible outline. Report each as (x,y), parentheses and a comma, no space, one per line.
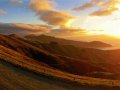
(26,29)
(22,29)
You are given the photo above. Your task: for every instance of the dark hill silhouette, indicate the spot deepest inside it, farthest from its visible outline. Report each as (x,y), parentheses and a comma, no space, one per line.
(48,39)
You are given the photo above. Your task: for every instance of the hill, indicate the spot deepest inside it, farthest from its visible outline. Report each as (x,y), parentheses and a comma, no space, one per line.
(67,58)
(48,39)
(63,57)
(56,61)
(19,72)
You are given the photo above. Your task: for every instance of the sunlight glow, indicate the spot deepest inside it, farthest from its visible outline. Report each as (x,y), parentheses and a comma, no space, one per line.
(68,24)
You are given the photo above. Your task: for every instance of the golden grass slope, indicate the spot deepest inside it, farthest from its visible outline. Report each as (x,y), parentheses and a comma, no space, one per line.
(29,64)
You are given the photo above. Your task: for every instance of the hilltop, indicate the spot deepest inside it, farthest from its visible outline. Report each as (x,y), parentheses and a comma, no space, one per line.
(48,39)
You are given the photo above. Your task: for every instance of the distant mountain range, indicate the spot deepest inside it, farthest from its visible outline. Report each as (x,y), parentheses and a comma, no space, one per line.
(48,39)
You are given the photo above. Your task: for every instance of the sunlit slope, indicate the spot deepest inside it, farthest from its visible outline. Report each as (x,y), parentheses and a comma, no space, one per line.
(100,58)
(63,63)
(96,63)
(20,72)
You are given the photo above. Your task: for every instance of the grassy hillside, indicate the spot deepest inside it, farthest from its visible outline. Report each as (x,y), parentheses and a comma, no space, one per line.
(56,61)
(12,59)
(66,58)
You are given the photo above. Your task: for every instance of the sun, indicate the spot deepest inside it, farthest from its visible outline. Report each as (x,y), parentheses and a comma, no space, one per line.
(112,29)
(118,5)
(115,33)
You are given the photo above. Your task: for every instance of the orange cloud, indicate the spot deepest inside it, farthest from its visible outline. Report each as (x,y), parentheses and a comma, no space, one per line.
(104,12)
(30,27)
(3,12)
(67,32)
(23,29)
(88,5)
(46,12)
(105,7)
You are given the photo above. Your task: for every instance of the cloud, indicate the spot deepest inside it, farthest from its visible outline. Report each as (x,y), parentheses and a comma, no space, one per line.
(11,3)
(66,32)
(107,7)
(25,29)
(22,29)
(88,5)
(3,12)
(46,12)
(16,1)
(104,12)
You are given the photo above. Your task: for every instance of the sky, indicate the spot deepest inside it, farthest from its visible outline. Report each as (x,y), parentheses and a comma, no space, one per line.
(20,12)
(64,18)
